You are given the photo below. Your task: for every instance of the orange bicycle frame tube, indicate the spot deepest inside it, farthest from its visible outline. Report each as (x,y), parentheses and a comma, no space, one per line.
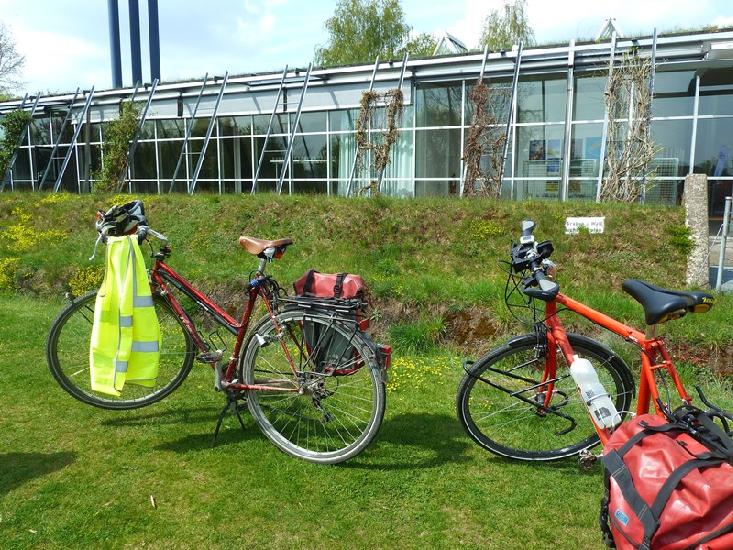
(652,349)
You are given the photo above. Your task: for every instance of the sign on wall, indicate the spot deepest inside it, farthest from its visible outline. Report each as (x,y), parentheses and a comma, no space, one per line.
(593,224)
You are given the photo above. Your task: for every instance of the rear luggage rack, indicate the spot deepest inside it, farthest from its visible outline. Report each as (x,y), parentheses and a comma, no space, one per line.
(343,307)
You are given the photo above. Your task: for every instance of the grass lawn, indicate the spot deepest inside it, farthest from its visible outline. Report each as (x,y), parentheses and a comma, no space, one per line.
(75,476)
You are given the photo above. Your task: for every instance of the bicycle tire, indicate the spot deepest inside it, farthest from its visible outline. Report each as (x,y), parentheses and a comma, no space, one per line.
(67,353)
(515,437)
(325,408)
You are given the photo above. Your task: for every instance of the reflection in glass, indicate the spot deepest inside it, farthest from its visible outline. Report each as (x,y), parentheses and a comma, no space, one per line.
(236,163)
(716,92)
(588,101)
(143,165)
(343,120)
(310,122)
(541,98)
(713,147)
(438,104)
(171,127)
(273,159)
(279,124)
(673,138)
(308,159)
(235,125)
(674,93)
(437,155)
(536,189)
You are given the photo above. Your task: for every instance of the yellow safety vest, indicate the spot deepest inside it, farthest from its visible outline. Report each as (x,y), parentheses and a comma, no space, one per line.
(126,340)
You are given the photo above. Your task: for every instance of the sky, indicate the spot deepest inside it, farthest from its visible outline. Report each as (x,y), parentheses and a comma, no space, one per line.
(66,42)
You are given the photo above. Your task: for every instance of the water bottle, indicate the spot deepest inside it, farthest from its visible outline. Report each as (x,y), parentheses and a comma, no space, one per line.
(594,395)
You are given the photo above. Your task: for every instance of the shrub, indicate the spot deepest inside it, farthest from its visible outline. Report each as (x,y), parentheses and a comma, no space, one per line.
(118,134)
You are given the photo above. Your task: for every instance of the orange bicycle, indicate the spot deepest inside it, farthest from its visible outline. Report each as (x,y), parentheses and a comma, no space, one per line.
(522,401)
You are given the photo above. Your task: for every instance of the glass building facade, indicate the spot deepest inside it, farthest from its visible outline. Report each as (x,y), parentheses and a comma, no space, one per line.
(556,134)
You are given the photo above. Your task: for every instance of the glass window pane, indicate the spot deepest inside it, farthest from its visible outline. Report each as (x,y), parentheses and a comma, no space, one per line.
(541,98)
(200,124)
(310,122)
(40,134)
(309,156)
(144,162)
(209,169)
(674,93)
(713,147)
(279,124)
(425,188)
(343,150)
(585,150)
(673,138)
(343,120)
(539,151)
(536,189)
(717,191)
(438,104)
(310,186)
(716,92)
(236,158)
(438,153)
(235,125)
(588,101)
(171,128)
(56,123)
(168,152)
(273,159)
(148,130)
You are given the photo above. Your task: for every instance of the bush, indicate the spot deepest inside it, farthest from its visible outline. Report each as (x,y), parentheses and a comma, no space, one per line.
(13,125)
(117,136)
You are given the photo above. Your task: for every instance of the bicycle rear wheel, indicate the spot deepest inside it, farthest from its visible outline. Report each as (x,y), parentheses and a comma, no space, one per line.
(492,412)
(67,352)
(331,408)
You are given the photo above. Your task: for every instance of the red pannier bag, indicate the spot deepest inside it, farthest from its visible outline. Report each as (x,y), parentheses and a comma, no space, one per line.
(669,483)
(329,292)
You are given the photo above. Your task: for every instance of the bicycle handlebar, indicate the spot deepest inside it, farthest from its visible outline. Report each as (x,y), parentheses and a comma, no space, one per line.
(529,255)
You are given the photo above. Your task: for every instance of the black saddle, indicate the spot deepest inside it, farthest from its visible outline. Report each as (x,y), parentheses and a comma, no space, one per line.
(661,304)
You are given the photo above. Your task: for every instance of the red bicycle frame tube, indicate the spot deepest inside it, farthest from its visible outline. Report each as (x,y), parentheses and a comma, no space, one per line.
(161,273)
(651,349)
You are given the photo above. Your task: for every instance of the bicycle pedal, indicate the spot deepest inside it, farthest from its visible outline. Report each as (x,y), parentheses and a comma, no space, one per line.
(210,356)
(586,460)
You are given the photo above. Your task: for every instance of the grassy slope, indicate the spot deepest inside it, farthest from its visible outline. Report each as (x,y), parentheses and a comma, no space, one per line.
(422,259)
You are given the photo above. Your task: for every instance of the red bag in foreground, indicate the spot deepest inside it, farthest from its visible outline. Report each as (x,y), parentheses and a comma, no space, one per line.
(669,484)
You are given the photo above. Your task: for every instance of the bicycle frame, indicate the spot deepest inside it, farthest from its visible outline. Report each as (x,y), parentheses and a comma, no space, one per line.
(652,348)
(161,274)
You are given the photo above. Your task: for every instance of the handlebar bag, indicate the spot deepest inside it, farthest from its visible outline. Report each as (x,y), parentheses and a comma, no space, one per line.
(331,349)
(669,483)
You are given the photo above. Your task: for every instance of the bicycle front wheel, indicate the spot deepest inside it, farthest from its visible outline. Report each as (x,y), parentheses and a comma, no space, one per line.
(67,352)
(499,395)
(324,395)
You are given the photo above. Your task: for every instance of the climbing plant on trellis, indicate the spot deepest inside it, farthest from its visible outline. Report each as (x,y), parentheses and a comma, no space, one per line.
(630,151)
(484,137)
(393,102)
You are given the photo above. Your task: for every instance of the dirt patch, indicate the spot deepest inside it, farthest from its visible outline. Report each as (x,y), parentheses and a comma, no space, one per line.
(471,328)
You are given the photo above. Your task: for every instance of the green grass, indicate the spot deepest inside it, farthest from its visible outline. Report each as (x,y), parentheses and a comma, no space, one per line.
(75,476)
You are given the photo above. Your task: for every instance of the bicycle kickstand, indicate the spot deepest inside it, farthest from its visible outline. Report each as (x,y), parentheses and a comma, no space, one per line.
(232,399)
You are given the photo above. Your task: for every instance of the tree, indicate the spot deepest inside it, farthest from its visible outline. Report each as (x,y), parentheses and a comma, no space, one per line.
(362,29)
(10,61)
(422,45)
(502,30)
